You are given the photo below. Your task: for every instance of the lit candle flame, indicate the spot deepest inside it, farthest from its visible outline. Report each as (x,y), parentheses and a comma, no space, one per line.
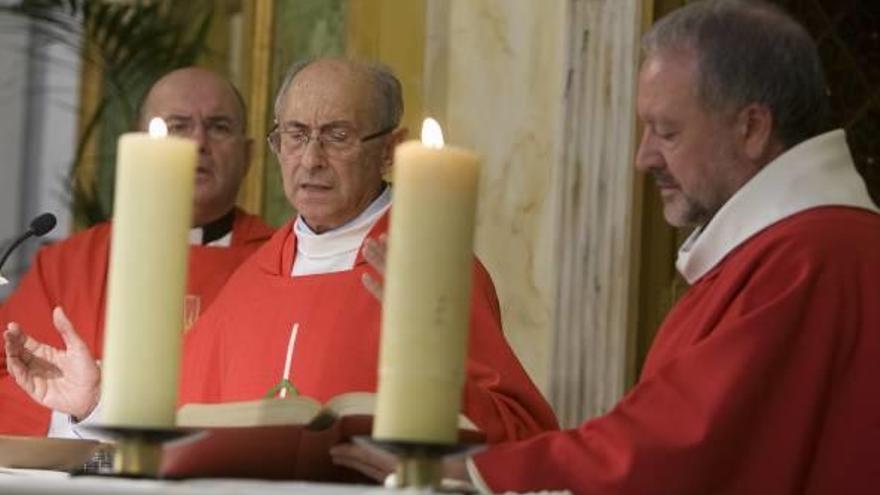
(158,128)
(432,135)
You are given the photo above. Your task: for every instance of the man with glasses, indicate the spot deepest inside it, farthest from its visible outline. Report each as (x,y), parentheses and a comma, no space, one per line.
(299,302)
(297,307)
(71,275)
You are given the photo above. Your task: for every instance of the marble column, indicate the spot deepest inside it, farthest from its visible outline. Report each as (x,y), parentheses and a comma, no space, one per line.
(545,91)
(595,307)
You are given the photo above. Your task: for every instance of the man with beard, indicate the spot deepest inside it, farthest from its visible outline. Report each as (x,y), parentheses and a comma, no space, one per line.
(297,306)
(763,377)
(67,285)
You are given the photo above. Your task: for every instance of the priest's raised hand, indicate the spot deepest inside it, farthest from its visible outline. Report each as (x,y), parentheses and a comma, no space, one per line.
(375,252)
(66,380)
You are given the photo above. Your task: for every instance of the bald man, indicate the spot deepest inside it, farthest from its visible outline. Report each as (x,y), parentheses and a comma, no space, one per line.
(337,126)
(71,275)
(337,123)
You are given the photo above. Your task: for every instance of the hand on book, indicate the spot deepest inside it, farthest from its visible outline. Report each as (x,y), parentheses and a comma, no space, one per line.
(378,464)
(293,438)
(65,380)
(374,253)
(373,463)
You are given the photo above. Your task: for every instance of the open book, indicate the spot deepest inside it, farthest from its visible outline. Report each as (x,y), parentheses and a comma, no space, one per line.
(275,438)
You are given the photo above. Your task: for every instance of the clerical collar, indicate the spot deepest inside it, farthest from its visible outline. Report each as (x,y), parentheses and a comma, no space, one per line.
(335,250)
(216,233)
(816,172)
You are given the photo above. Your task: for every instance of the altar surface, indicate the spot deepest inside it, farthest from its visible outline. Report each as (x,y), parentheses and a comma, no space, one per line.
(32,482)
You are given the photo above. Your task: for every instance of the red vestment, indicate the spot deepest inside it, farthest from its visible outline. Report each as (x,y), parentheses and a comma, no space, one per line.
(73,274)
(764,378)
(237,350)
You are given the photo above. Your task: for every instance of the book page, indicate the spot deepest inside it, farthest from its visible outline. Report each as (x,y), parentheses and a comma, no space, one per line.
(262,412)
(353,403)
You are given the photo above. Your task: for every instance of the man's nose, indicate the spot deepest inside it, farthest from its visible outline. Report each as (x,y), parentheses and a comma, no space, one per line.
(647,155)
(199,134)
(313,153)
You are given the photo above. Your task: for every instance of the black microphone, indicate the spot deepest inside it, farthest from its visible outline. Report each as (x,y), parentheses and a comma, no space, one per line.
(40,226)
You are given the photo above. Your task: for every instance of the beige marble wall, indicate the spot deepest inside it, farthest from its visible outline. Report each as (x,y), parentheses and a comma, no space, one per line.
(495,78)
(545,90)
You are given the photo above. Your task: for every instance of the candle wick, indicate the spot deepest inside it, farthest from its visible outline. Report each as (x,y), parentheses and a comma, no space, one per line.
(291,343)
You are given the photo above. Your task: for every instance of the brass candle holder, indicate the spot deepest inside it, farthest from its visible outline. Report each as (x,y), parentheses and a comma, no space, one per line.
(138,451)
(420,464)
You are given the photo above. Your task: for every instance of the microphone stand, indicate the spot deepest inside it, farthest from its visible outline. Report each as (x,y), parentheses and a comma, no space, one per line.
(39,226)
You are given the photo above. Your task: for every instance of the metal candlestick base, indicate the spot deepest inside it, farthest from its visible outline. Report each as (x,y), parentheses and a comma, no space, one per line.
(138,451)
(420,464)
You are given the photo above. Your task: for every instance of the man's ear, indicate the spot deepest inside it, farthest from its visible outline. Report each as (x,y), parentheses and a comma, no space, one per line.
(397,136)
(248,152)
(248,155)
(755,125)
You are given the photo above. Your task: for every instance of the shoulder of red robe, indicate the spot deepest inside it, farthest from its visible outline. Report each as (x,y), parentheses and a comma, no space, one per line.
(249,228)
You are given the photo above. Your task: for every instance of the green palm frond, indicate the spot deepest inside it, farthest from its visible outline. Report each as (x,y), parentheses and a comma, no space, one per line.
(135,42)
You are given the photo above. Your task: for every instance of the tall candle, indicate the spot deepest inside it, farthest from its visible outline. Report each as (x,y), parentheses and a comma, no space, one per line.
(152,213)
(426,305)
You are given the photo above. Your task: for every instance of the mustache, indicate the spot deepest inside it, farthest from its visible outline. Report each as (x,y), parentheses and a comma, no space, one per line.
(663,179)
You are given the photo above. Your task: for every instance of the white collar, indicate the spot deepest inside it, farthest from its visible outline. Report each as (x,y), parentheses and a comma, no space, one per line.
(196,234)
(816,172)
(341,240)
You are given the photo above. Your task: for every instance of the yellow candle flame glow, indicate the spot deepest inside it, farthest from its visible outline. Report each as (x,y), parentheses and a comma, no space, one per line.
(432,135)
(158,128)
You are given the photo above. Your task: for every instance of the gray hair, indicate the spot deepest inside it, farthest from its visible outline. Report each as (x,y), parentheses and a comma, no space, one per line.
(749,51)
(387,88)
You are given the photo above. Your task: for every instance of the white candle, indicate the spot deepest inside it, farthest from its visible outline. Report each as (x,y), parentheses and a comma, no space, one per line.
(426,308)
(152,214)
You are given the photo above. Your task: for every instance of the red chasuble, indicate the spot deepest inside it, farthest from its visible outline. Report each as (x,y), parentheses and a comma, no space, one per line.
(764,378)
(237,350)
(73,274)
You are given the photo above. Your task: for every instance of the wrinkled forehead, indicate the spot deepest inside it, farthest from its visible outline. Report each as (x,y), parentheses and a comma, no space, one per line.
(668,74)
(319,97)
(192,99)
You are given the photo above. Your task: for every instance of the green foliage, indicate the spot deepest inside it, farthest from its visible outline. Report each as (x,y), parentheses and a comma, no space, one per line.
(303,29)
(135,42)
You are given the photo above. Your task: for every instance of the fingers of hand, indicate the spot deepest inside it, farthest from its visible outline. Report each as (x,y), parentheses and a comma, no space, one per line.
(456,469)
(15,342)
(365,469)
(65,328)
(18,366)
(372,285)
(364,461)
(372,456)
(374,253)
(12,338)
(19,345)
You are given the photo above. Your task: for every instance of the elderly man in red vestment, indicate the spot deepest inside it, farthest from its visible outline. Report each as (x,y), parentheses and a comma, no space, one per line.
(71,275)
(297,307)
(764,377)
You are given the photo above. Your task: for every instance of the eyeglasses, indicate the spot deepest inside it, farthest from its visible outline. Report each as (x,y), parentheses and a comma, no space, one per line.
(216,129)
(335,140)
